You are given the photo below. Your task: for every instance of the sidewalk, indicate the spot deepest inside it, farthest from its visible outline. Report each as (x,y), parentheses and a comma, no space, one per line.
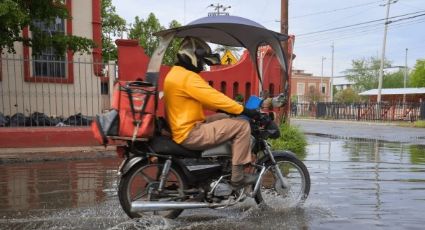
(15,155)
(368,130)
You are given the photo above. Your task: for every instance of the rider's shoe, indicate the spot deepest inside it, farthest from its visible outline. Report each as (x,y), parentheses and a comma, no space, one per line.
(239,179)
(248,179)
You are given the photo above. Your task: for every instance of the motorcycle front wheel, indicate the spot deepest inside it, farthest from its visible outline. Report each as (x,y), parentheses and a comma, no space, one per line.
(295,188)
(141,184)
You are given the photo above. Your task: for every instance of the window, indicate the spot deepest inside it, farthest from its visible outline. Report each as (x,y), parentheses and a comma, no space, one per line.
(49,63)
(223,87)
(300,89)
(211,83)
(104,88)
(271,90)
(235,89)
(247,90)
(323,89)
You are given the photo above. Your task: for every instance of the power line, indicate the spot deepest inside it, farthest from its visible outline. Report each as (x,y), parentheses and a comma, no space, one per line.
(355,31)
(334,10)
(320,42)
(357,24)
(402,19)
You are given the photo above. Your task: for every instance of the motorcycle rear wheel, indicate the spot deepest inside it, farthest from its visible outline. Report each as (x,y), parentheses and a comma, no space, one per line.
(297,177)
(141,178)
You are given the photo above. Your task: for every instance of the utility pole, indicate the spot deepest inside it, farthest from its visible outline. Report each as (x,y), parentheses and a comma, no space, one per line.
(381,69)
(405,76)
(284,26)
(332,74)
(217,9)
(284,16)
(321,77)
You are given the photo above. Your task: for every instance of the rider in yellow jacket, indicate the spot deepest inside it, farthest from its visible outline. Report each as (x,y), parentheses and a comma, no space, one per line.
(187,94)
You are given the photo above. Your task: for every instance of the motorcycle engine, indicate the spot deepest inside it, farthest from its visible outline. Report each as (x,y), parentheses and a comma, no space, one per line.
(222,189)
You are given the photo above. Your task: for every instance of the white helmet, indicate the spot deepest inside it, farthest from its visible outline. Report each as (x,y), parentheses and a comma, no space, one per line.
(194,53)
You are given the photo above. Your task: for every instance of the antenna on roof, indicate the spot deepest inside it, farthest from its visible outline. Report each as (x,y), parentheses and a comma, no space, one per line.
(217,9)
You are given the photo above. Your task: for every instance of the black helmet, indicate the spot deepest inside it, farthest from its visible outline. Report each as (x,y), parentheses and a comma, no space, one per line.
(195,53)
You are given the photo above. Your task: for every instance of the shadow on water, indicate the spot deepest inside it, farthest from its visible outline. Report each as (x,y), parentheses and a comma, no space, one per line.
(356,183)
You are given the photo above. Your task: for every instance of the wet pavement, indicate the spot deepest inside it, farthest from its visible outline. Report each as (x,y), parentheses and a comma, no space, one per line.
(357,183)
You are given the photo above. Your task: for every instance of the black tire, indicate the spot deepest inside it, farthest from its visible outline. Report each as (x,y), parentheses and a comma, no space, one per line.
(128,183)
(299,166)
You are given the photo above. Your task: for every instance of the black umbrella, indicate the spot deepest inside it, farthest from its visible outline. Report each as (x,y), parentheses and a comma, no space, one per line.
(224,30)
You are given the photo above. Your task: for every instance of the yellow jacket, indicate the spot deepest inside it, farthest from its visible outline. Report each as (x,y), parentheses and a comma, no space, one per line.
(186,94)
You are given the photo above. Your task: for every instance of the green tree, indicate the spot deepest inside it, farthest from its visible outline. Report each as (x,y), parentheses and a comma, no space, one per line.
(173,48)
(347,95)
(364,73)
(15,15)
(417,78)
(112,26)
(143,30)
(394,80)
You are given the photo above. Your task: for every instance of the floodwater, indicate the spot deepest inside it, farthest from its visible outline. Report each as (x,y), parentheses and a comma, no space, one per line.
(356,184)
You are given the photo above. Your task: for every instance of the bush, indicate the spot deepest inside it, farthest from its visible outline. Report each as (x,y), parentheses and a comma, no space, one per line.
(419,124)
(347,96)
(291,139)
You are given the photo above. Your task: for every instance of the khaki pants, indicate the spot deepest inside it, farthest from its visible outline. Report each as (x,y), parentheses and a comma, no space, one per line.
(218,129)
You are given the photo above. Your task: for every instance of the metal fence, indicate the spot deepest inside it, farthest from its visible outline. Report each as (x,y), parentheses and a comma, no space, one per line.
(52,92)
(361,111)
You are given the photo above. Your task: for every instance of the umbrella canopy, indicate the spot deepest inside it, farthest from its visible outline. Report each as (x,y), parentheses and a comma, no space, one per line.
(229,31)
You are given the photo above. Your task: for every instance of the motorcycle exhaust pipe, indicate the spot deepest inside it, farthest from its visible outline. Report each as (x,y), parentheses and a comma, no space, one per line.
(145,206)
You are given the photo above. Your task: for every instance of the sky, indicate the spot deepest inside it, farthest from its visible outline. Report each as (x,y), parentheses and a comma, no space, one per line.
(306,19)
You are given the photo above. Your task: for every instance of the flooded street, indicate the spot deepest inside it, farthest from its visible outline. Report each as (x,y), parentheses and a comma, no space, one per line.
(357,183)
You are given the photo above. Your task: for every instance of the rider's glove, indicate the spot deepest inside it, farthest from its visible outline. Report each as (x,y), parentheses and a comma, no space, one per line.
(251,113)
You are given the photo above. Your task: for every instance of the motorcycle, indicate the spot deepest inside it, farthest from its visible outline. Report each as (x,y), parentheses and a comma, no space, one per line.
(160,177)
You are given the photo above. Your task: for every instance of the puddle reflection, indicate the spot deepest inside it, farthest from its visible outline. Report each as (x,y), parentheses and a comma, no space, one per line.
(369,182)
(55,185)
(356,183)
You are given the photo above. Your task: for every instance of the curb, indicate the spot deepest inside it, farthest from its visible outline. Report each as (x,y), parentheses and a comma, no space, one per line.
(346,121)
(21,155)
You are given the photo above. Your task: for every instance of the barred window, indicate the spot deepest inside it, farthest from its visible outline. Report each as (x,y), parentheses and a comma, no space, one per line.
(49,63)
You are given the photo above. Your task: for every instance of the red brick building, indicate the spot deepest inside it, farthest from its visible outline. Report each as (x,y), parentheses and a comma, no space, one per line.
(307,87)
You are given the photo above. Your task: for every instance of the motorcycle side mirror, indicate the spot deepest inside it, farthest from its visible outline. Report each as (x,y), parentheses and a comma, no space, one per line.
(279,101)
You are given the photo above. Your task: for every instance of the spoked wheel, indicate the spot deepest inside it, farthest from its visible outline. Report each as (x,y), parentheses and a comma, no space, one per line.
(293,190)
(141,183)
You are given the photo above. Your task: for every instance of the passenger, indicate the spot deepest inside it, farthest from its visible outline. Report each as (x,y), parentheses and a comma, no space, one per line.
(187,94)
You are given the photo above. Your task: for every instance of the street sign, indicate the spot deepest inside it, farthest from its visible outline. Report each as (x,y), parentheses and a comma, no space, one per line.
(228,58)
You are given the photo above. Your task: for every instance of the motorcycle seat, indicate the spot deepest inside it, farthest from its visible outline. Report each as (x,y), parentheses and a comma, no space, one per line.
(221,150)
(166,146)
